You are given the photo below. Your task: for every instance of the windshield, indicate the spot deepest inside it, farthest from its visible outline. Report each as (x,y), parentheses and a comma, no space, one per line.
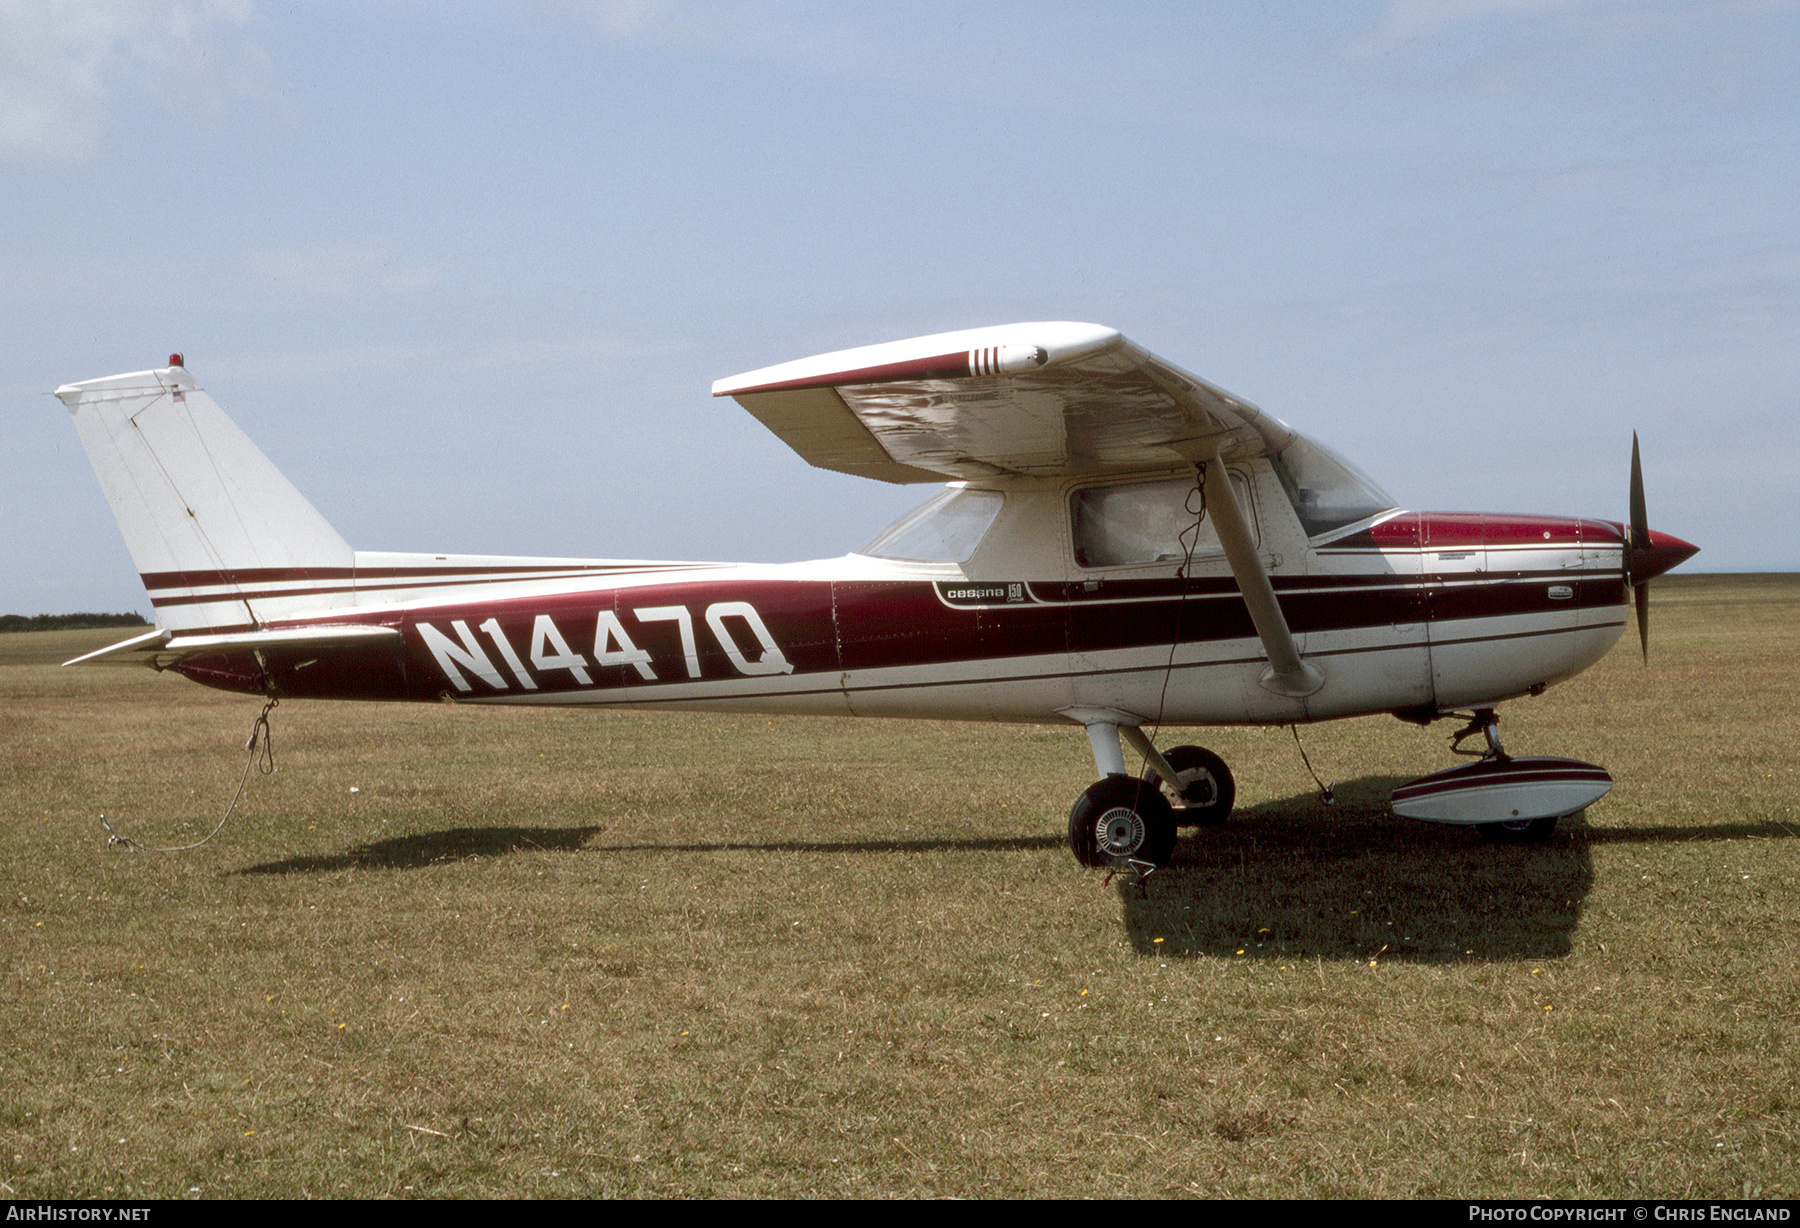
(945,529)
(1327,491)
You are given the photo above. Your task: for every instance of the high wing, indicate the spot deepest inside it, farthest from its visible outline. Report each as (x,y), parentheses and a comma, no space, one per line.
(1033,399)
(1040,400)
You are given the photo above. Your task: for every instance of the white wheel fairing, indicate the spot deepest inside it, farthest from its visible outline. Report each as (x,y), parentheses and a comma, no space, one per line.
(1499,793)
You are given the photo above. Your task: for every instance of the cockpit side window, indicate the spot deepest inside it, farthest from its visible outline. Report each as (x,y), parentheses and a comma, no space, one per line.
(946,528)
(1327,491)
(1143,522)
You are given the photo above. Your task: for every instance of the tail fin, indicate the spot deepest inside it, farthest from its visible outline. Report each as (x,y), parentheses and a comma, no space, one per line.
(221,539)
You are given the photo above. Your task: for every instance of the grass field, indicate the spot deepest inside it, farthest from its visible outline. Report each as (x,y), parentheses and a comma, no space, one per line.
(448,951)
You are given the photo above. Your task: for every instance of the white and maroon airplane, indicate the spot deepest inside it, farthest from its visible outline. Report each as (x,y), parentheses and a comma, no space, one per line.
(1120,545)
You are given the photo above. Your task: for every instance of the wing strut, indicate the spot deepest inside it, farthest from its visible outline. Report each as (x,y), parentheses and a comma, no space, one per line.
(1287,673)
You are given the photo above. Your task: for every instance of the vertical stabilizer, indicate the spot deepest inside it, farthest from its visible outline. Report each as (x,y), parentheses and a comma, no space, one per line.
(221,539)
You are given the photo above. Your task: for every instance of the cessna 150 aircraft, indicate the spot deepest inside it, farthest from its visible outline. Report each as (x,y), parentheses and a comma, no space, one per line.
(1120,545)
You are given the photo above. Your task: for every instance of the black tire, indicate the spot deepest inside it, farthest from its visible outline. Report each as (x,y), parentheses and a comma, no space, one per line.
(1210,792)
(1525,831)
(1121,818)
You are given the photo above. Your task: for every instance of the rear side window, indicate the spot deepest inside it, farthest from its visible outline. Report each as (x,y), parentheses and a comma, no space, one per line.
(1144,522)
(945,529)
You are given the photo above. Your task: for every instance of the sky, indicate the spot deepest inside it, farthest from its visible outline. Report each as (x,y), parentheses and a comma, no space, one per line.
(467,272)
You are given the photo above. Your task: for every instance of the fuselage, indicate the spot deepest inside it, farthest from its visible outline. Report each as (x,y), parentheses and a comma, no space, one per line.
(1400,611)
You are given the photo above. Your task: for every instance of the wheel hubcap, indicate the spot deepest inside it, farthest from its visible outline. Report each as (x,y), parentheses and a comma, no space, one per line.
(1120,832)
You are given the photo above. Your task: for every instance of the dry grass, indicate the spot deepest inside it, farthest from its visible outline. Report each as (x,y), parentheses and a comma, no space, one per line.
(540,953)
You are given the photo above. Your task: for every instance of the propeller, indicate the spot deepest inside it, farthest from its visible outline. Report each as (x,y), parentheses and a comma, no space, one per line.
(1639,536)
(1647,554)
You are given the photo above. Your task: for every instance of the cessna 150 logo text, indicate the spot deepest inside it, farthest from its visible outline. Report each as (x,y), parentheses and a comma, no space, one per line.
(962,595)
(613,646)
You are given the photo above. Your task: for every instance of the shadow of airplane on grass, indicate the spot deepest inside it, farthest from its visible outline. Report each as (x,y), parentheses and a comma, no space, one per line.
(464,843)
(1296,879)
(1284,880)
(435,848)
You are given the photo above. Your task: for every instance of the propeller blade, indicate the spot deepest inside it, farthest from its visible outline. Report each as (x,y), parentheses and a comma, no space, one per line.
(1640,519)
(1647,554)
(1639,538)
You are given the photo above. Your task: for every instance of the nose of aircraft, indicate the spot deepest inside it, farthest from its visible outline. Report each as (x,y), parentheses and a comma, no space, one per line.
(1663,552)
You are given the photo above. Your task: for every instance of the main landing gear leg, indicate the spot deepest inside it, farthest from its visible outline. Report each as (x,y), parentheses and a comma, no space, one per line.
(1122,821)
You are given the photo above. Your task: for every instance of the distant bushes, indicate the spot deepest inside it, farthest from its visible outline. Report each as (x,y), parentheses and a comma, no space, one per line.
(68,622)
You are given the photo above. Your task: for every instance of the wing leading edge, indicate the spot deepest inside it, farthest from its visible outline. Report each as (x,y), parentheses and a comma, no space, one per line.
(1033,399)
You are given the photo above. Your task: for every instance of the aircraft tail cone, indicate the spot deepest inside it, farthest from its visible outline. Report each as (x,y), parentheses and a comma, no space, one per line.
(1647,553)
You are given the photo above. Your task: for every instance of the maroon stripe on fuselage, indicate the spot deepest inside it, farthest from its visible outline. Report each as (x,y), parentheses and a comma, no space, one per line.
(271,575)
(1490,597)
(254,584)
(868,626)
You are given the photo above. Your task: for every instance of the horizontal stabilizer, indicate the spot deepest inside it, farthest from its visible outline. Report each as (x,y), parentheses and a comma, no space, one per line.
(160,650)
(134,651)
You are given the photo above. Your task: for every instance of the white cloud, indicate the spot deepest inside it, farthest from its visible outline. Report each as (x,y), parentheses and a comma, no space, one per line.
(64,63)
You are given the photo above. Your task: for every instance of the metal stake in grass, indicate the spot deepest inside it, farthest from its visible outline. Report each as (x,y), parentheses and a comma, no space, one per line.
(1141,871)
